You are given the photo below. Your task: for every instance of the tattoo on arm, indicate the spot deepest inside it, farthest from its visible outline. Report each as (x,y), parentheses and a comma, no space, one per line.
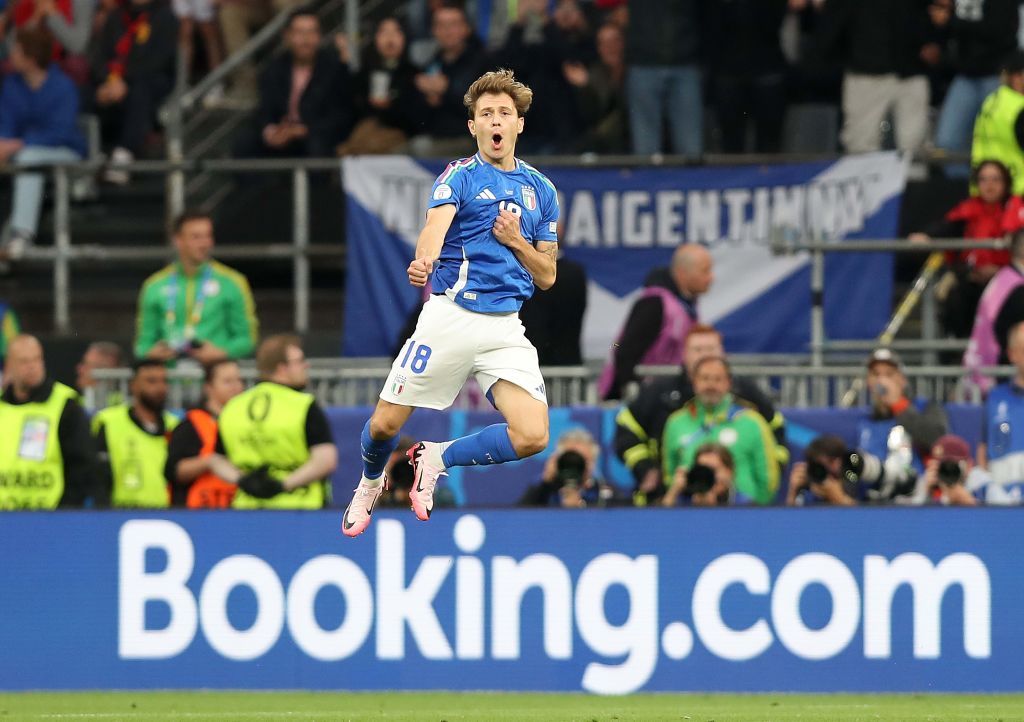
(551,252)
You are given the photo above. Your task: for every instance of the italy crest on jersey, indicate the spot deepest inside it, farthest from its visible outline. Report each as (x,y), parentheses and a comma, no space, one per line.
(529,198)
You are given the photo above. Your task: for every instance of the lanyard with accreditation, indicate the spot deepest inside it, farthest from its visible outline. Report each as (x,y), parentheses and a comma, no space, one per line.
(188,332)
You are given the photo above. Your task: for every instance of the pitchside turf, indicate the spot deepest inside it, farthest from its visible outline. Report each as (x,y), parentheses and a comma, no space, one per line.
(227,706)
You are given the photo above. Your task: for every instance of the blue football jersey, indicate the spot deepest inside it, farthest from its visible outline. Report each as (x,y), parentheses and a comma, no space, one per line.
(474,269)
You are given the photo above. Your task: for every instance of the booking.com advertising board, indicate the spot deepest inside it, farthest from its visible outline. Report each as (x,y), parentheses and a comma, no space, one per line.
(607,602)
(622,222)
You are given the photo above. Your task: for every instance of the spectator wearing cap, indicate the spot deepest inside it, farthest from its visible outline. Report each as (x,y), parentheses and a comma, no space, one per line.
(999,127)
(949,475)
(923,422)
(1001,451)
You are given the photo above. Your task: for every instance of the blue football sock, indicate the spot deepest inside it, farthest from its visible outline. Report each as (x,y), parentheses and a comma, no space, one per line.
(375,453)
(487,446)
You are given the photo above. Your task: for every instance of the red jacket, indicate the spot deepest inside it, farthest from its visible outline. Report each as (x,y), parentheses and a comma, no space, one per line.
(984,221)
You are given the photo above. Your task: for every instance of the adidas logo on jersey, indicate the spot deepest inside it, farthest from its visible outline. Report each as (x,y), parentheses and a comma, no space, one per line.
(486,195)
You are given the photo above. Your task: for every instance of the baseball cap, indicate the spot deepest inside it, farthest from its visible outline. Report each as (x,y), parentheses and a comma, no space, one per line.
(951,447)
(886,356)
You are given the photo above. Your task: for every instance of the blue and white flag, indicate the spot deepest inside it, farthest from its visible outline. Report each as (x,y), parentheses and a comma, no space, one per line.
(621,223)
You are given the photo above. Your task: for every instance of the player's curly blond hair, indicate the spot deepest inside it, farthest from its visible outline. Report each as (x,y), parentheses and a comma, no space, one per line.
(496,82)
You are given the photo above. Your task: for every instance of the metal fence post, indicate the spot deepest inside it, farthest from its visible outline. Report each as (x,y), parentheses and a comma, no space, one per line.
(176,143)
(929,321)
(300,238)
(62,247)
(352,31)
(817,307)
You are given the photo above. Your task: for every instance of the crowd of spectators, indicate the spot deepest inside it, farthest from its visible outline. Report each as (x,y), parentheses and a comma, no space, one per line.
(683,76)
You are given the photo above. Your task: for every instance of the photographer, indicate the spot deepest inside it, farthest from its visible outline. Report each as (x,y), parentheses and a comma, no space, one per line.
(195,308)
(714,415)
(949,474)
(896,431)
(708,482)
(568,479)
(836,474)
(820,478)
(399,473)
(639,425)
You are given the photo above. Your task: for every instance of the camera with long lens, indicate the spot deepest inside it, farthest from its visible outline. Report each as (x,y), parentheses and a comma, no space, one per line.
(571,469)
(883,479)
(950,472)
(700,479)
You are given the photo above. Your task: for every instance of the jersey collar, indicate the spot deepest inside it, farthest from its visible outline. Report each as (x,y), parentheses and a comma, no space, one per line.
(481,161)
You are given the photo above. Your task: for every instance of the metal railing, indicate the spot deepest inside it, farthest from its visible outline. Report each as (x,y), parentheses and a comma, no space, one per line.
(299,248)
(924,289)
(357,382)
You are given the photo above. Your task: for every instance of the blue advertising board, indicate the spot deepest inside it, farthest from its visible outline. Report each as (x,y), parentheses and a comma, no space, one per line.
(608,602)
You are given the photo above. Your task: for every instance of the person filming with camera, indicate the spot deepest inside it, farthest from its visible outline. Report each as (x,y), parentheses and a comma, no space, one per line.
(820,478)
(950,475)
(896,432)
(714,414)
(568,480)
(708,481)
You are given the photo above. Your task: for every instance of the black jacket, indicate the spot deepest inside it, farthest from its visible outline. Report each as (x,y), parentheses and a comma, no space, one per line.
(554,318)
(743,36)
(981,35)
(401,93)
(639,425)
(76,446)
(876,37)
(663,33)
(155,57)
(324,107)
(642,328)
(1010,314)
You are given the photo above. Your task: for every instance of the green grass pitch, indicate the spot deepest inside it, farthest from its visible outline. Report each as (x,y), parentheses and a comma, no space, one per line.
(450,706)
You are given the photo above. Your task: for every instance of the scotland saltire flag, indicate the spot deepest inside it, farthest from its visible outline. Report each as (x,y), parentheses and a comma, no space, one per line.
(622,222)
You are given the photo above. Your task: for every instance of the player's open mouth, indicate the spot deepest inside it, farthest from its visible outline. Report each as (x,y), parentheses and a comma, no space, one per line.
(496,140)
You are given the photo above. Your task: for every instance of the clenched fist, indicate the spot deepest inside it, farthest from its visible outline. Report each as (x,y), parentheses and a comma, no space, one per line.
(419,271)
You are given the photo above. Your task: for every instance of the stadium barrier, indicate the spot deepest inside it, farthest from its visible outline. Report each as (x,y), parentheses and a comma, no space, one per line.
(503,484)
(790,381)
(64,253)
(823,600)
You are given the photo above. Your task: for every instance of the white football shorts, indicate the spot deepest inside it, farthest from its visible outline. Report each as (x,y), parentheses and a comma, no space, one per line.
(449,345)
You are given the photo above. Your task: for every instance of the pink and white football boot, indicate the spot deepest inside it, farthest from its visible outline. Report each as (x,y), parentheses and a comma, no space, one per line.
(427,468)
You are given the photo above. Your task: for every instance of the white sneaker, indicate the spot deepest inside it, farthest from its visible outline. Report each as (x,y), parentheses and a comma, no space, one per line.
(115,175)
(357,515)
(427,468)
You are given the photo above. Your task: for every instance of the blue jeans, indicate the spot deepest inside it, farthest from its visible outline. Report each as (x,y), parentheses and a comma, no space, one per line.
(28,187)
(672,91)
(963,101)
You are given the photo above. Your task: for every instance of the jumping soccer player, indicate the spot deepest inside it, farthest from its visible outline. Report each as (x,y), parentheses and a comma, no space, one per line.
(489,238)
